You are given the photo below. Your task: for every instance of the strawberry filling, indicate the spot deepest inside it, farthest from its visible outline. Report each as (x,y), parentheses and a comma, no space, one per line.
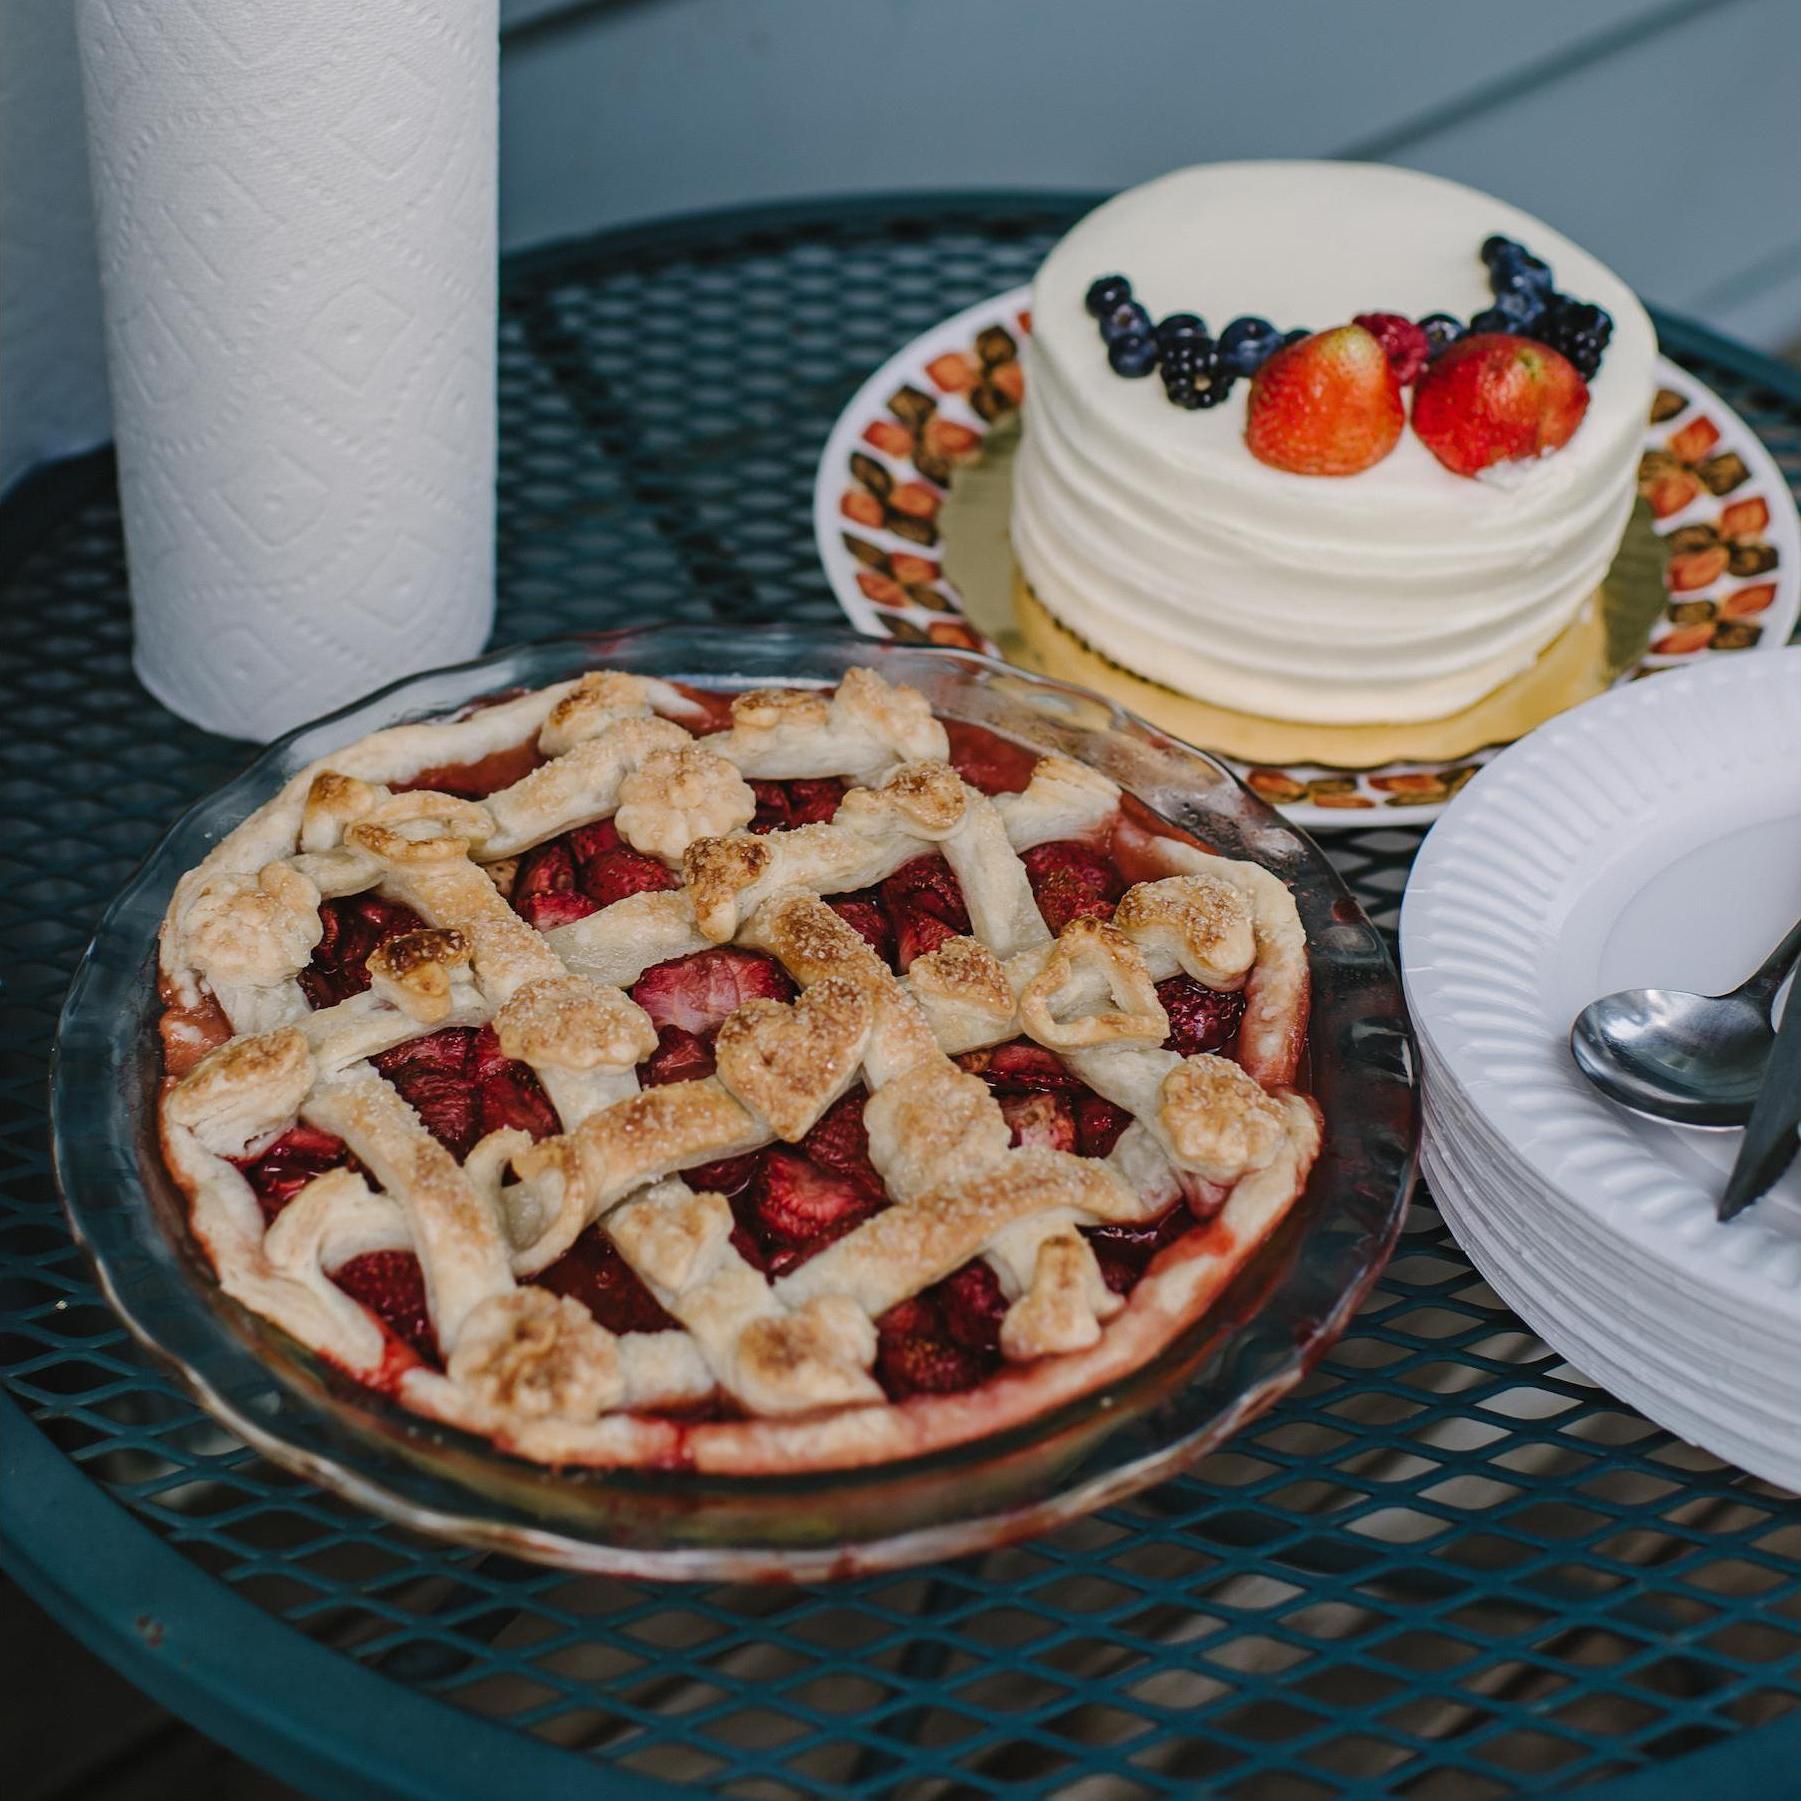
(1046,1121)
(990,764)
(1124,1251)
(863,912)
(946,1339)
(581,872)
(281,1169)
(463,1088)
(355,926)
(789,1201)
(1022,1067)
(1072,881)
(696,994)
(782,806)
(839,1142)
(924,907)
(592,1272)
(392,1286)
(796,1207)
(1200,1018)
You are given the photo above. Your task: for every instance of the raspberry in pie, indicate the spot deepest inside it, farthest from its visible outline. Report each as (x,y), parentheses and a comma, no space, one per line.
(634,1075)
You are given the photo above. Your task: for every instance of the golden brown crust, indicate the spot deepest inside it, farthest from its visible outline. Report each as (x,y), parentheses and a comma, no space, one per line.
(1137,1016)
(1063,1309)
(715,872)
(678,795)
(1200,924)
(789,1063)
(537,1355)
(244,1090)
(1218,1120)
(816,1356)
(254,929)
(600,698)
(412,972)
(569,1022)
(647,1135)
(894,715)
(966,971)
(932,1125)
(333,802)
(770,709)
(929,797)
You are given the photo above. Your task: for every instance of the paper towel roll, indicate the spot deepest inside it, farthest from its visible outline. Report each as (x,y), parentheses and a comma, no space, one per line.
(296,216)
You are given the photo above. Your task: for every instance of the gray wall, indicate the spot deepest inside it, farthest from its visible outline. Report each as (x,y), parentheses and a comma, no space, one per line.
(1665,135)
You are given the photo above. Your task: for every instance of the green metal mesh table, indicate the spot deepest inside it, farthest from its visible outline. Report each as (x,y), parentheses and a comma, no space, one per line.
(1448,1568)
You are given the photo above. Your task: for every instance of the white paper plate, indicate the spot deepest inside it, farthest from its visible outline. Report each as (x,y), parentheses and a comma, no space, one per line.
(1652,836)
(1730,1394)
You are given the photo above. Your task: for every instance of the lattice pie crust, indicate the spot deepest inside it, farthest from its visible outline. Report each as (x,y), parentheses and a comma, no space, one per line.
(791,1357)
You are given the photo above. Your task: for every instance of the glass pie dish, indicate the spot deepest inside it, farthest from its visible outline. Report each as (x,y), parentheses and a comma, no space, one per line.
(1281,1311)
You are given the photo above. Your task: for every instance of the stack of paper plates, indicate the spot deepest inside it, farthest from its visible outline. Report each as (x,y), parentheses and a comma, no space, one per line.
(1650,838)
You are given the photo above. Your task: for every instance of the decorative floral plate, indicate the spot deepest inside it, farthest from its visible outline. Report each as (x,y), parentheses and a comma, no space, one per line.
(913,436)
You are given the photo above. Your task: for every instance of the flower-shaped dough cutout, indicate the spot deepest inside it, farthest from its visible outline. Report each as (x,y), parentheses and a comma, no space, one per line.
(678,795)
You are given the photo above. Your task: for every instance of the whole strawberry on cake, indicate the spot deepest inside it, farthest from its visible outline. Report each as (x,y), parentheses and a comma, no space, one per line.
(1330,443)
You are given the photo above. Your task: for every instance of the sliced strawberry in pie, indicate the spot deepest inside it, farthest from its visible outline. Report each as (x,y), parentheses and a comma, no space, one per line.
(972,1306)
(392,1286)
(559,907)
(549,869)
(434,1079)
(772,807)
(1021,1067)
(510,1092)
(1098,1124)
(280,1170)
(917,935)
(1072,881)
(799,1205)
(354,927)
(781,806)
(864,913)
(461,1087)
(1200,1018)
(699,992)
(728,1176)
(744,1231)
(679,1057)
(927,885)
(987,762)
(593,1272)
(1046,1121)
(839,1141)
(614,874)
(586,842)
(925,907)
(544,892)
(916,1355)
(814,802)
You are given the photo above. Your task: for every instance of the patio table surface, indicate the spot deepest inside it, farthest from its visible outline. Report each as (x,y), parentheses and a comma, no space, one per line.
(1447,1568)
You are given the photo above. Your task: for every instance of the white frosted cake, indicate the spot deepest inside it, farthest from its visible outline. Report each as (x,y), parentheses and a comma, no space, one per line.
(1404,592)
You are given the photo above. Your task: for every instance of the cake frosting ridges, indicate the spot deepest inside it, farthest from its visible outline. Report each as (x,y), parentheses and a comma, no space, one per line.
(1401,593)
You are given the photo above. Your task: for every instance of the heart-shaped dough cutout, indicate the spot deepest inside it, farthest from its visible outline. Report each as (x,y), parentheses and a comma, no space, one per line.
(789,1063)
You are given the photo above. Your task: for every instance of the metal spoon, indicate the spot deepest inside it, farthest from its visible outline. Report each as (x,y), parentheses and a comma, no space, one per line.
(1692,1059)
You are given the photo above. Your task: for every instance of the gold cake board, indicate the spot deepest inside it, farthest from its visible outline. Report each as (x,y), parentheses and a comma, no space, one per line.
(1572,668)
